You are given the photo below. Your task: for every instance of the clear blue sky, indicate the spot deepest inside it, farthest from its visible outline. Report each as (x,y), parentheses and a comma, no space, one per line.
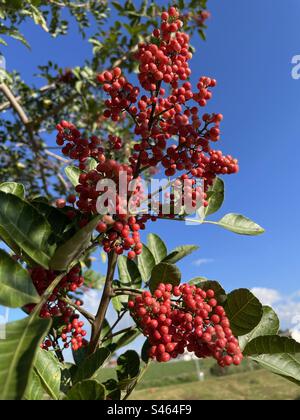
(249,48)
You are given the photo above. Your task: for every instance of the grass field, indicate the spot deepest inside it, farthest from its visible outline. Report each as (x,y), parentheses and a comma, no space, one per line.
(256,385)
(178,381)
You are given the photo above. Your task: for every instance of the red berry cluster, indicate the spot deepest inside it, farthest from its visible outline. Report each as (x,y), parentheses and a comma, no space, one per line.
(122,93)
(166,59)
(56,307)
(176,319)
(168,128)
(76,147)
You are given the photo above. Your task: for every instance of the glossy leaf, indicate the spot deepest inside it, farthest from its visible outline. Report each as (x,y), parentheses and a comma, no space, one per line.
(26,227)
(243,310)
(13,188)
(146,263)
(157,247)
(16,287)
(280,355)
(48,369)
(239,224)
(17,355)
(73,173)
(164,273)
(179,253)
(216,196)
(35,390)
(269,325)
(129,274)
(73,248)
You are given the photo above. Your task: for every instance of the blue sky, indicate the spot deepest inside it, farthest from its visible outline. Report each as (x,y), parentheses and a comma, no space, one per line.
(249,48)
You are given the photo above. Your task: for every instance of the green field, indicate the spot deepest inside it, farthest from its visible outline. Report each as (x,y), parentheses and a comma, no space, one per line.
(178,381)
(260,385)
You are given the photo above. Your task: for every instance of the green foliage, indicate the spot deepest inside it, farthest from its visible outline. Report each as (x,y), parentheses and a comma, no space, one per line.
(90,366)
(89,390)
(164,273)
(269,325)
(128,368)
(74,247)
(179,253)
(215,196)
(26,227)
(243,310)
(157,247)
(48,370)
(17,355)
(239,224)
(16,288)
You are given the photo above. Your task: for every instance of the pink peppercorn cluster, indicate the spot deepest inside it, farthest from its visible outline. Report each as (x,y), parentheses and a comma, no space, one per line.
(71,328)
(185,318)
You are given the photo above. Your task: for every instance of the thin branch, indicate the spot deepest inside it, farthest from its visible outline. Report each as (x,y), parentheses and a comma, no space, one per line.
(79,309)
(14,103)
(105,301)
(57,157)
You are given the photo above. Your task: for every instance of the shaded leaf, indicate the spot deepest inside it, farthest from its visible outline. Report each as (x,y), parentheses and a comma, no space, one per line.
(89,390)
(17,355)
(269,325)
(243,310)
(16,287)
(73,248)
(164,273)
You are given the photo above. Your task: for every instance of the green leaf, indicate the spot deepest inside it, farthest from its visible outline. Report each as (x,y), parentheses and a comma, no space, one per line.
(26,227)
(164,273)
(179,253)
(128,367)
(239,224)
(244,311)
(89,390)
(17,355)
(13,188)
(73,174)
(80,355)
(146,263)
(35,390)
(145,351)
(220,293)
(129,274)
(58,220)
(197,280)
(280,355)
(269,325)
(48,369)
(89,367)
(72,249)
(216,195)
(16,287)
(157,247)
(38,18)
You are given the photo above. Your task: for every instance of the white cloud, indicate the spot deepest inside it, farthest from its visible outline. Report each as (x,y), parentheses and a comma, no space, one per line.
(266,296)
(91,300)
(287,307)
(202,261)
